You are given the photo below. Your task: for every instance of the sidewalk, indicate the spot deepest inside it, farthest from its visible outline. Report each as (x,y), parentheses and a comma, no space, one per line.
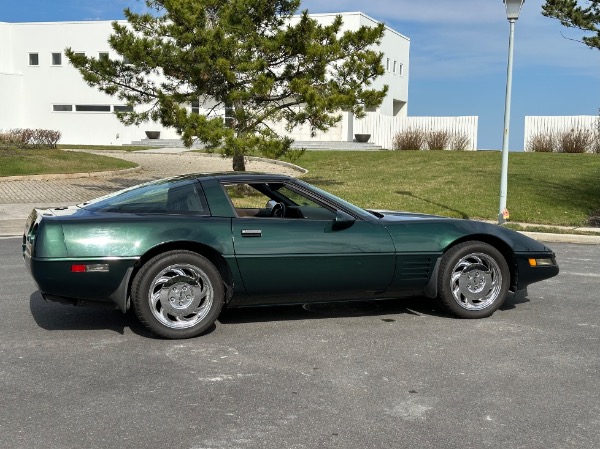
(19,196)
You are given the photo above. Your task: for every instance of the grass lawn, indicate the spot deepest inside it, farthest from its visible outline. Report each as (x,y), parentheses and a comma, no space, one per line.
(543,188)
(15,162)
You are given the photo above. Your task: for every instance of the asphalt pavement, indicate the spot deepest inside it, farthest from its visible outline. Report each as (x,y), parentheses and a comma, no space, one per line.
(386,374)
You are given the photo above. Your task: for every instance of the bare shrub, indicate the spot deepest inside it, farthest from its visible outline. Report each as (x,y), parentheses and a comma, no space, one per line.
(411,139)
(575,141)
(30,138)
(438,140)
(596,144)
(542,143)
(460,141)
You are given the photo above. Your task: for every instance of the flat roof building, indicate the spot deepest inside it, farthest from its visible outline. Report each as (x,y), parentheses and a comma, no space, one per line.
(39,88)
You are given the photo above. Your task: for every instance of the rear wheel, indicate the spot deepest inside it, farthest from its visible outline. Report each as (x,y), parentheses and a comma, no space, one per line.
(473,280)
(178,294)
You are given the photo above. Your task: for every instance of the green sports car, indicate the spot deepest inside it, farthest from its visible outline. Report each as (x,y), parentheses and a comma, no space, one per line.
(178,250)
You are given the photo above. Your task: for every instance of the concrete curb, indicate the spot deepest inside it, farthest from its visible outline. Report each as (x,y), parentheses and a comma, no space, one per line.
(563,238)
(55,176)
(264,159)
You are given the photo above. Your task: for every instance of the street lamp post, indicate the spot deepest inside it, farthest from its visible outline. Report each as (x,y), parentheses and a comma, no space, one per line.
(513,8)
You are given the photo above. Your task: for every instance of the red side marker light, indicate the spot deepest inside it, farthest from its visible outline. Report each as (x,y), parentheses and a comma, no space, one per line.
(77,268)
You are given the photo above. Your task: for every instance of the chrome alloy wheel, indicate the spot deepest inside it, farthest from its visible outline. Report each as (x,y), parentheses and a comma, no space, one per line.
(476,281)
(180,296)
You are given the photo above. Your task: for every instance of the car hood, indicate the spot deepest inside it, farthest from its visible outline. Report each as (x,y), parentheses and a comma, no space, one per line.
(417,232)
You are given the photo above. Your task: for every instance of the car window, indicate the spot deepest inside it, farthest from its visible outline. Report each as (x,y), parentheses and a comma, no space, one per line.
(275,200)
(170,197)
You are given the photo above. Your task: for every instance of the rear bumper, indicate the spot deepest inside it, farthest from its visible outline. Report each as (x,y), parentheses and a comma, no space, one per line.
(57,282)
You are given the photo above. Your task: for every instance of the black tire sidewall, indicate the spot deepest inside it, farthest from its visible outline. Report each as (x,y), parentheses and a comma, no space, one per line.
(141,286)
(450,259)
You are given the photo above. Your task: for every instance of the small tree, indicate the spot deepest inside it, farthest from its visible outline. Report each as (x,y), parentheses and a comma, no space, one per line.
(248,58)
(571,14)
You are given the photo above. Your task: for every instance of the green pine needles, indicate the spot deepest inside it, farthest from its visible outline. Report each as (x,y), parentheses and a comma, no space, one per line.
(258,60)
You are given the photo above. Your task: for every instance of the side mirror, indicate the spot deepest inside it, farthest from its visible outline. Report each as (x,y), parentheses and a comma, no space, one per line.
(342,221)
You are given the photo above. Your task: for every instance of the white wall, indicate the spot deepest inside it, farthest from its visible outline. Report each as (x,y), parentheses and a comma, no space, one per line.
(394,46)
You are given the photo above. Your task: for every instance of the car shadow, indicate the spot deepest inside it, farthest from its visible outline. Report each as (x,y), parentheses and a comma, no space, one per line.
(412,195)
(62,317)
(384,308)
(54,316)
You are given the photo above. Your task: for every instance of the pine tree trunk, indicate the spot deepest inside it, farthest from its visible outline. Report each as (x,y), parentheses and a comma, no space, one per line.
(238,162)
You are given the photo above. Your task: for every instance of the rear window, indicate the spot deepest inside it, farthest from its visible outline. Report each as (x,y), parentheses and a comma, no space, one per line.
(159,197)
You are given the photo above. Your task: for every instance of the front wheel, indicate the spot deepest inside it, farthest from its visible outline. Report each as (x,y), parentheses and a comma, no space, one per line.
(178,294)
(473,280)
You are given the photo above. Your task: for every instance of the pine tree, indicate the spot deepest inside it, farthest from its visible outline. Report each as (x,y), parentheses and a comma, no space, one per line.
(573,15)
(251,59)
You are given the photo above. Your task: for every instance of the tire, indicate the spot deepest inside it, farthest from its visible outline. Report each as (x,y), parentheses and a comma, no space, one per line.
(473,280)
(177,294)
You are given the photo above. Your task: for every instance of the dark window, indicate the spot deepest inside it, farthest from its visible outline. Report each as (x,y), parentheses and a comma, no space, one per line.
(103,56)
(56,58)
(195,107)
(62,107)
(122,108)
(158,197)
(92,108)
(34,59)
(274,200)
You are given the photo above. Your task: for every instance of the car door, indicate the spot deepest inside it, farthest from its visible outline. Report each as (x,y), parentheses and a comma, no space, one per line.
(325,254)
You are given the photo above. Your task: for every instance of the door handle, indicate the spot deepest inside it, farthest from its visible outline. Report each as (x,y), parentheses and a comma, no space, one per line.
(251,233)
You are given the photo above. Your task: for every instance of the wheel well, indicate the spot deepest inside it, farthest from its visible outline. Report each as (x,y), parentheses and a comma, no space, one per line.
(500,245)
(204,250)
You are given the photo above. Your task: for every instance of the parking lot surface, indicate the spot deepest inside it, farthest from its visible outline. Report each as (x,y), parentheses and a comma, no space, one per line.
(387,374)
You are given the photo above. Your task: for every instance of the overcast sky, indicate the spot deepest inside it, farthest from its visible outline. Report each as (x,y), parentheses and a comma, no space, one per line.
(458,56)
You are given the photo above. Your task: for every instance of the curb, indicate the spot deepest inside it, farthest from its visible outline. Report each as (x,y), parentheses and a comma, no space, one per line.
(54,176)
(563,238)
(264,159)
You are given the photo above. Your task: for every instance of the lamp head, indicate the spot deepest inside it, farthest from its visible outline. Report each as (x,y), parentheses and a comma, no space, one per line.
(513,8)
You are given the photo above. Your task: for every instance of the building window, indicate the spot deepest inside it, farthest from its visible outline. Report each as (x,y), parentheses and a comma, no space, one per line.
(79,53)
(103,56)
(122,108)
(34,59)
(196,107)
(126,60)
(400,69)
(62,107)
(92,108)
(395,66)
(387,64)
(56,58)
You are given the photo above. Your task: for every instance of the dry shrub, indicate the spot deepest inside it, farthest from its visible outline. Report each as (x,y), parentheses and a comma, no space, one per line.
(411,139)
(575,141)
(460,141)
(438,140)
(541,143)
(30,138)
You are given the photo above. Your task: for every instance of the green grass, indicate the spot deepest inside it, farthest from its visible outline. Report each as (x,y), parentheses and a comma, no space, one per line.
(103,147)
(21,162)
(544,188)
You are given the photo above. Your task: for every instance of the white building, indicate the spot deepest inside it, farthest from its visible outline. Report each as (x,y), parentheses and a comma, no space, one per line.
(40,89)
